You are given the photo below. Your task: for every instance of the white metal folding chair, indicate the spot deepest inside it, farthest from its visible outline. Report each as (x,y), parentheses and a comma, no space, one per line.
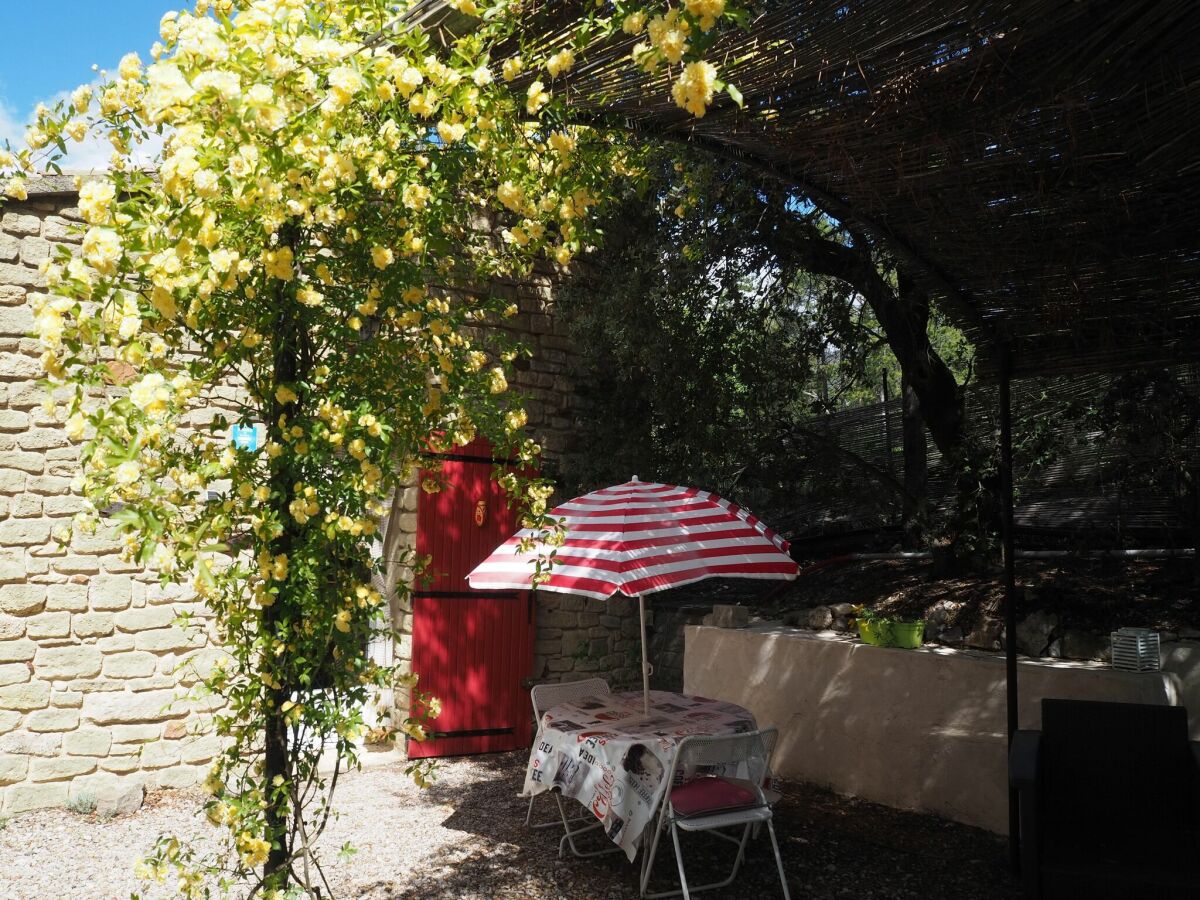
(732,795)
(544,697)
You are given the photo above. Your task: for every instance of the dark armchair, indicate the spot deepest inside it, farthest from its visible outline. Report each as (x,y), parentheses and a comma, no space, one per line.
(1109,802)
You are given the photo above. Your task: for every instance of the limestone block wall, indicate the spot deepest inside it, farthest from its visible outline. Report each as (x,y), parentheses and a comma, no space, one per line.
(91,660)
(578,637)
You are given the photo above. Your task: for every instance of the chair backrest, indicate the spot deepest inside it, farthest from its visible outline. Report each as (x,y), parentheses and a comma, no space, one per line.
(1117,767)
(545,696)
(751,749)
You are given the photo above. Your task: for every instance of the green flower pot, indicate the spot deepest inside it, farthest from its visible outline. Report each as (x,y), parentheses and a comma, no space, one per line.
(909,635)
(874,633)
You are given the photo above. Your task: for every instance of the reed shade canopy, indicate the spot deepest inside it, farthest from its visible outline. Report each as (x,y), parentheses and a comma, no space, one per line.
(1032,164)
(637,538)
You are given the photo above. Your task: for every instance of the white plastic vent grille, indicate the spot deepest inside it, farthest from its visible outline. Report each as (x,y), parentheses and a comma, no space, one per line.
(1135,650)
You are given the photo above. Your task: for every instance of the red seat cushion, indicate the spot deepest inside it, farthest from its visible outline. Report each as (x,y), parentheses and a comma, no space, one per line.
(707,795)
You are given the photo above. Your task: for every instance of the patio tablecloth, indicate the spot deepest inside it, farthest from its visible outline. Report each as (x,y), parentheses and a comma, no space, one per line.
(609,755)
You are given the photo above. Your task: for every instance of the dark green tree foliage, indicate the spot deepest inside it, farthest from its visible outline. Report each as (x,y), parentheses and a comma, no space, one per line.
(710,341)
(698,357)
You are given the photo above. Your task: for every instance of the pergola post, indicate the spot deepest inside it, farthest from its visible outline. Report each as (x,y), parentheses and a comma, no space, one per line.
(1010,587)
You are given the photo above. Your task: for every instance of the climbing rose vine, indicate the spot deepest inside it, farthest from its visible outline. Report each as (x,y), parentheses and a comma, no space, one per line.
(311,249)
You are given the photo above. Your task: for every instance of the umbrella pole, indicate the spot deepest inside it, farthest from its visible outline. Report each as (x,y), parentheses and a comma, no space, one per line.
(645,658)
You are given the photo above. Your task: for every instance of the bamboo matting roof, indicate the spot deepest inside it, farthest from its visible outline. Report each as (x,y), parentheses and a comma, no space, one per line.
(1035,164)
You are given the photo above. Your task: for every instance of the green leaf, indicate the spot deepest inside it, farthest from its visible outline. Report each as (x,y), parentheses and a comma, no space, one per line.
(204,573)
(735,95)
(147,551)
(127,516)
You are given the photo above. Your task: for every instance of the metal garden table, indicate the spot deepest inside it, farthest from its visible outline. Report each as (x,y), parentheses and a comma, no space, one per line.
(612,757)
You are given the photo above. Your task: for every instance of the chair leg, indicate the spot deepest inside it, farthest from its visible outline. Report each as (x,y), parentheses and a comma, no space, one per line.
(569,837)
(679,861)
(648,854)
(778,860)
(552,823)
(687,890)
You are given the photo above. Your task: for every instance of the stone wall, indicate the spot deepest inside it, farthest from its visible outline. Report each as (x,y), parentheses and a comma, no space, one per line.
(90,658)
(576,637)
(666,639)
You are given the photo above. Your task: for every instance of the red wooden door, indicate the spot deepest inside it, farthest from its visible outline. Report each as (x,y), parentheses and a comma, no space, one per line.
(472,649)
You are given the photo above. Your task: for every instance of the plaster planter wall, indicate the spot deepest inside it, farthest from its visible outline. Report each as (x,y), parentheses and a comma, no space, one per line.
(915,729)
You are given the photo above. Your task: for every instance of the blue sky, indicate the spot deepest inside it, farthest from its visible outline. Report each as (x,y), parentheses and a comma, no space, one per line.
(49,47)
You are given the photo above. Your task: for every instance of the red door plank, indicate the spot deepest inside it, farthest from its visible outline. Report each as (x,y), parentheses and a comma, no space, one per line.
(471,649)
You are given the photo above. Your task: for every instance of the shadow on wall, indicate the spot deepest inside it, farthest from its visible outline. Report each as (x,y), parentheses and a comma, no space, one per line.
(666,643)
(581,637)
(921,729)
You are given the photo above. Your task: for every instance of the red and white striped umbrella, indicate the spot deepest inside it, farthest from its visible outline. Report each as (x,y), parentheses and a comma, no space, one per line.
(638,538)
(641,537)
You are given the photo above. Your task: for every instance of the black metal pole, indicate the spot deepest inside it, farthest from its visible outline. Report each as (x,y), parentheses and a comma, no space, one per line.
(1010,588)
(887,421)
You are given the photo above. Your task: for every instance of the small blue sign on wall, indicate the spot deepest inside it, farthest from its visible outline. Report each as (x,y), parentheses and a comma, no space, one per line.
(244,437)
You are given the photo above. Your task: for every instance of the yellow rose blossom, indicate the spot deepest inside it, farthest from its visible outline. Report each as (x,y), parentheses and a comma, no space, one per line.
(512,67)
(415,196)
(409,80)
(345,82)
(693,90)
(668,34)
(75,427)
(14,188)
(382,257)
(310,296)
(151,394)
(102,249)
(562,143)
(706,11)
(512,196)
(451,132)
(128,472)
(535,97)
(254,851)
(130,66)
(279,263)
(561,62)
(423,104)
(81,98)
(634,22)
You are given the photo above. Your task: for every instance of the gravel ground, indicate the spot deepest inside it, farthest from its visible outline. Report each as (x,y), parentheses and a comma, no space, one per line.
(465,838)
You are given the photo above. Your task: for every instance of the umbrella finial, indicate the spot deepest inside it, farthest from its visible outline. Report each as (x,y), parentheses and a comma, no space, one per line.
(634,478)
